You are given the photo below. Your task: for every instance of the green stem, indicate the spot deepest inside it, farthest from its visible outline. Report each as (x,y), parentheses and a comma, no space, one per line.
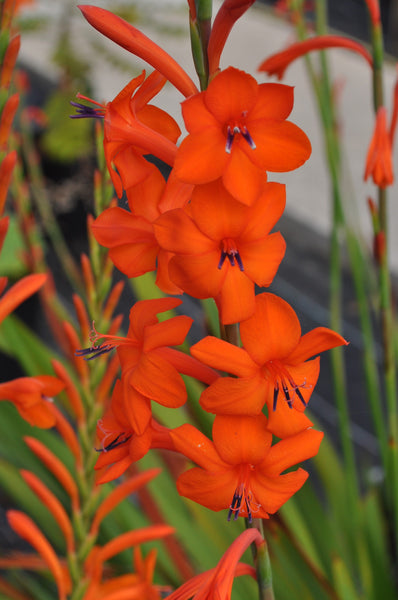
(386,312)
(262,563)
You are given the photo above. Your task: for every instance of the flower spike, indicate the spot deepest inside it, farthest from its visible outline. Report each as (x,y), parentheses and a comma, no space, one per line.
(130,38)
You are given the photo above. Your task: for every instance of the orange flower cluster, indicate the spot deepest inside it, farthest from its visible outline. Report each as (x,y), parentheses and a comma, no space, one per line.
(207,232)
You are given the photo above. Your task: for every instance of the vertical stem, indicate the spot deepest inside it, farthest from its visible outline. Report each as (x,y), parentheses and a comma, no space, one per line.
(386,313)
(262,563)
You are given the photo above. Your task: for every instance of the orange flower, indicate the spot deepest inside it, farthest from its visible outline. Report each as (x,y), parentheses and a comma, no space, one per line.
(130,237)
(217,583)
(150,370)
(134,128)
(240,470)
(273,363)
(238,130)
(222,247)
(379,158)
(133,40)
(229,12)
(120,446)
(31,395)
(278,63)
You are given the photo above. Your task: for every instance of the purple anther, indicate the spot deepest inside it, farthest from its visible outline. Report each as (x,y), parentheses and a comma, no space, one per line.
(86,112)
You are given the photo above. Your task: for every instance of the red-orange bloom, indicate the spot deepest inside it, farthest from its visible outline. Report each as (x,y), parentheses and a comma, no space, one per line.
(238,130)
(120,446)
(222,247)
(272,367)
(134,128)
(240,470)
(20,291)
(217,583)
(133,40)
(278,63)
(130,237)
(31,396)
(150,370)
(379,164)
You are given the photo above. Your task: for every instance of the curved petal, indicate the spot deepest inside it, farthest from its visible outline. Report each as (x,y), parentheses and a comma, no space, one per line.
(135,259)
(171,332)
(290,451)
(176,232)
(116,226)
(265,212)
(231,93)
(236,299)
(230,396)
(285,422)
(144,313)
(160,121)
(273,331)
(241,176)
(274,102)
(193,444)
(280,146)
(223,356)
(163,280)
(213,490)
(198,274)
(196,115)
(216,213)
(241,439)
(156,379)
(261,259)
(137,408)
(271,493)
(315,341)
(201,157)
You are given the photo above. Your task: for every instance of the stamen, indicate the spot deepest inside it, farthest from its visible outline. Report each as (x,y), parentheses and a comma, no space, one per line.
(230,250)
(222,259)
(95,351)
(230,139)
(246,135)
(115,443)
(280,374)
(88,112)
(235,505)
(276,393)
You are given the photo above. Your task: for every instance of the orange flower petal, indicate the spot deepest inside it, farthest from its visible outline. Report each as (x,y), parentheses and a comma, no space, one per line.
(156,379)
(193,444)
(213,490)
(241,439)
(285,422)
(280,146)
(171,332)
(274,101)
(265,212)
(190,240)
(236,297)
(222,355)
(261,259)
(271,493)
(314,342)
(198,274)
(230,396)
(189,165)
(242,178)
(231,93)
(275,321)
(302,446)
(128,37)
(216,213)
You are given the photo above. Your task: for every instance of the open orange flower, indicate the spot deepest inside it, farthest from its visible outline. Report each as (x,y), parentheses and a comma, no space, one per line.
(240,470)
(130,236)
(237,130)
(134,128)
(272,368)
(150,370)
(120,446)
(222,247)
(31,396)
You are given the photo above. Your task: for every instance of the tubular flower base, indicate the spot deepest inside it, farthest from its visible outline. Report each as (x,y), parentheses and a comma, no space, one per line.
(240,470)
(217,583)
(224,247)
(237,131)
(272,368)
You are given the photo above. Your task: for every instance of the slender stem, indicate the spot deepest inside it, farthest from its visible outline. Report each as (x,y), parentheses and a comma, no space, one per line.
(262,563)
(386,313)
